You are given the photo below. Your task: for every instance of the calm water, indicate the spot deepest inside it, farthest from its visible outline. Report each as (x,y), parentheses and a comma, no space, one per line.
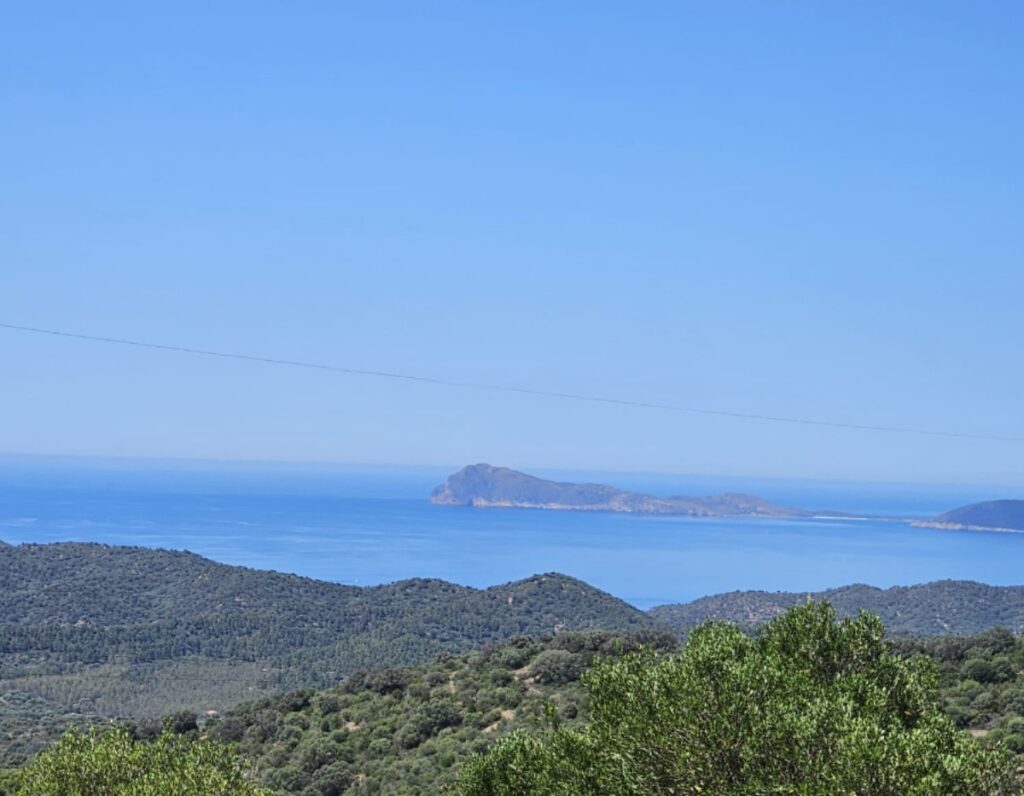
(374,525)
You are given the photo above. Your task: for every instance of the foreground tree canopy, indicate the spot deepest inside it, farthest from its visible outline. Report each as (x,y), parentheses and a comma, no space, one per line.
(810,706)
(112,763)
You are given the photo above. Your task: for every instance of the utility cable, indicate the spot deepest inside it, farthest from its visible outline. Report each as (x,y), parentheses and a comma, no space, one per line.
(570,396)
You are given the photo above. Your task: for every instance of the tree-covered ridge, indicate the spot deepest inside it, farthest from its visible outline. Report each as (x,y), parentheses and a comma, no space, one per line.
(946,607)
(90,629)
(99,586)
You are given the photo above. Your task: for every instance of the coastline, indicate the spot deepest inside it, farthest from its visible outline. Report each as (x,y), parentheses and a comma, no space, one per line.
(957,526)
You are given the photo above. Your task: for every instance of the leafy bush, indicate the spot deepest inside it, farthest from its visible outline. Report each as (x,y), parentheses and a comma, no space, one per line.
(810,706)
(557,666)
(980,670)
(112,763)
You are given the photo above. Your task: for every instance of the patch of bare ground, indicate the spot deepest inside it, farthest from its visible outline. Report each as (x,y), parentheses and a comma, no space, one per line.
(531,685)
(506,715)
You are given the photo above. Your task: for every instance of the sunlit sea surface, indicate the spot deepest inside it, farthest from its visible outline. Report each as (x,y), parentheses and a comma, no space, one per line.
(374,525)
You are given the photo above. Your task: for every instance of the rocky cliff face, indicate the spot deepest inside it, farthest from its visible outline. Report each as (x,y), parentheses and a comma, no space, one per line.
(486,486)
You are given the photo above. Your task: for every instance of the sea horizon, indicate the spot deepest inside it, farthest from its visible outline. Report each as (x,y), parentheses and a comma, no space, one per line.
(371,525)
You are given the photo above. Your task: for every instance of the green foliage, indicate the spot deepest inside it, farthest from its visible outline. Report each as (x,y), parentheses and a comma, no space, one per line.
(811,706)
(89,632)
(981,680)
(408,730)
(557,667)
(405,731)
(112,763)
(928,609)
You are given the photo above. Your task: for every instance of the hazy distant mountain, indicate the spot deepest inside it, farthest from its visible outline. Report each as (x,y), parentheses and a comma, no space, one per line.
(992,514)
(485,486)
(930,609)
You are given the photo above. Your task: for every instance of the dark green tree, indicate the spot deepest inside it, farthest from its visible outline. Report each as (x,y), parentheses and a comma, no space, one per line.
(810,706)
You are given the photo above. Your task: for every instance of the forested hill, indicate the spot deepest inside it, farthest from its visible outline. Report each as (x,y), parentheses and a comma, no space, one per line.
(89,629)
(930,609)
(92,631)
(93,586)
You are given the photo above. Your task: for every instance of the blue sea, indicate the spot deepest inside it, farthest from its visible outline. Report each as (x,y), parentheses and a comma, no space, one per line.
(370,525)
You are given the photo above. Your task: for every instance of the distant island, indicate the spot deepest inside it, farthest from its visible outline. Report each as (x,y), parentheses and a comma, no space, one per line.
(991,515)
(486,486)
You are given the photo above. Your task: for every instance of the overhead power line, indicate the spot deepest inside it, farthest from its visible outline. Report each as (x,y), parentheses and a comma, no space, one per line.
(505,388)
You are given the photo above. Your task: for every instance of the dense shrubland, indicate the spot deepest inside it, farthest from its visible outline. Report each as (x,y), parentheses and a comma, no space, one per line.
(809,706)
(982,682)
(406,730)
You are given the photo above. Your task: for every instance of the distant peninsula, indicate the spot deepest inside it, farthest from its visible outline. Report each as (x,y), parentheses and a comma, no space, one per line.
(486,486)
(991,515)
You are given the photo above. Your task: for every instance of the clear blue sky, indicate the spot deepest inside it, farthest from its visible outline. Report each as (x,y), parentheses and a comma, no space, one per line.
(810,209)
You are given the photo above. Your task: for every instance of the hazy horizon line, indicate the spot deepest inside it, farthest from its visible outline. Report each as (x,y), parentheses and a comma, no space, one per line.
(186,461)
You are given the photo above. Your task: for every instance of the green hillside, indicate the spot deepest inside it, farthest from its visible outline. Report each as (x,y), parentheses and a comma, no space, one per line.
(929,609)
(409,730)
(406,730)
(91,630)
